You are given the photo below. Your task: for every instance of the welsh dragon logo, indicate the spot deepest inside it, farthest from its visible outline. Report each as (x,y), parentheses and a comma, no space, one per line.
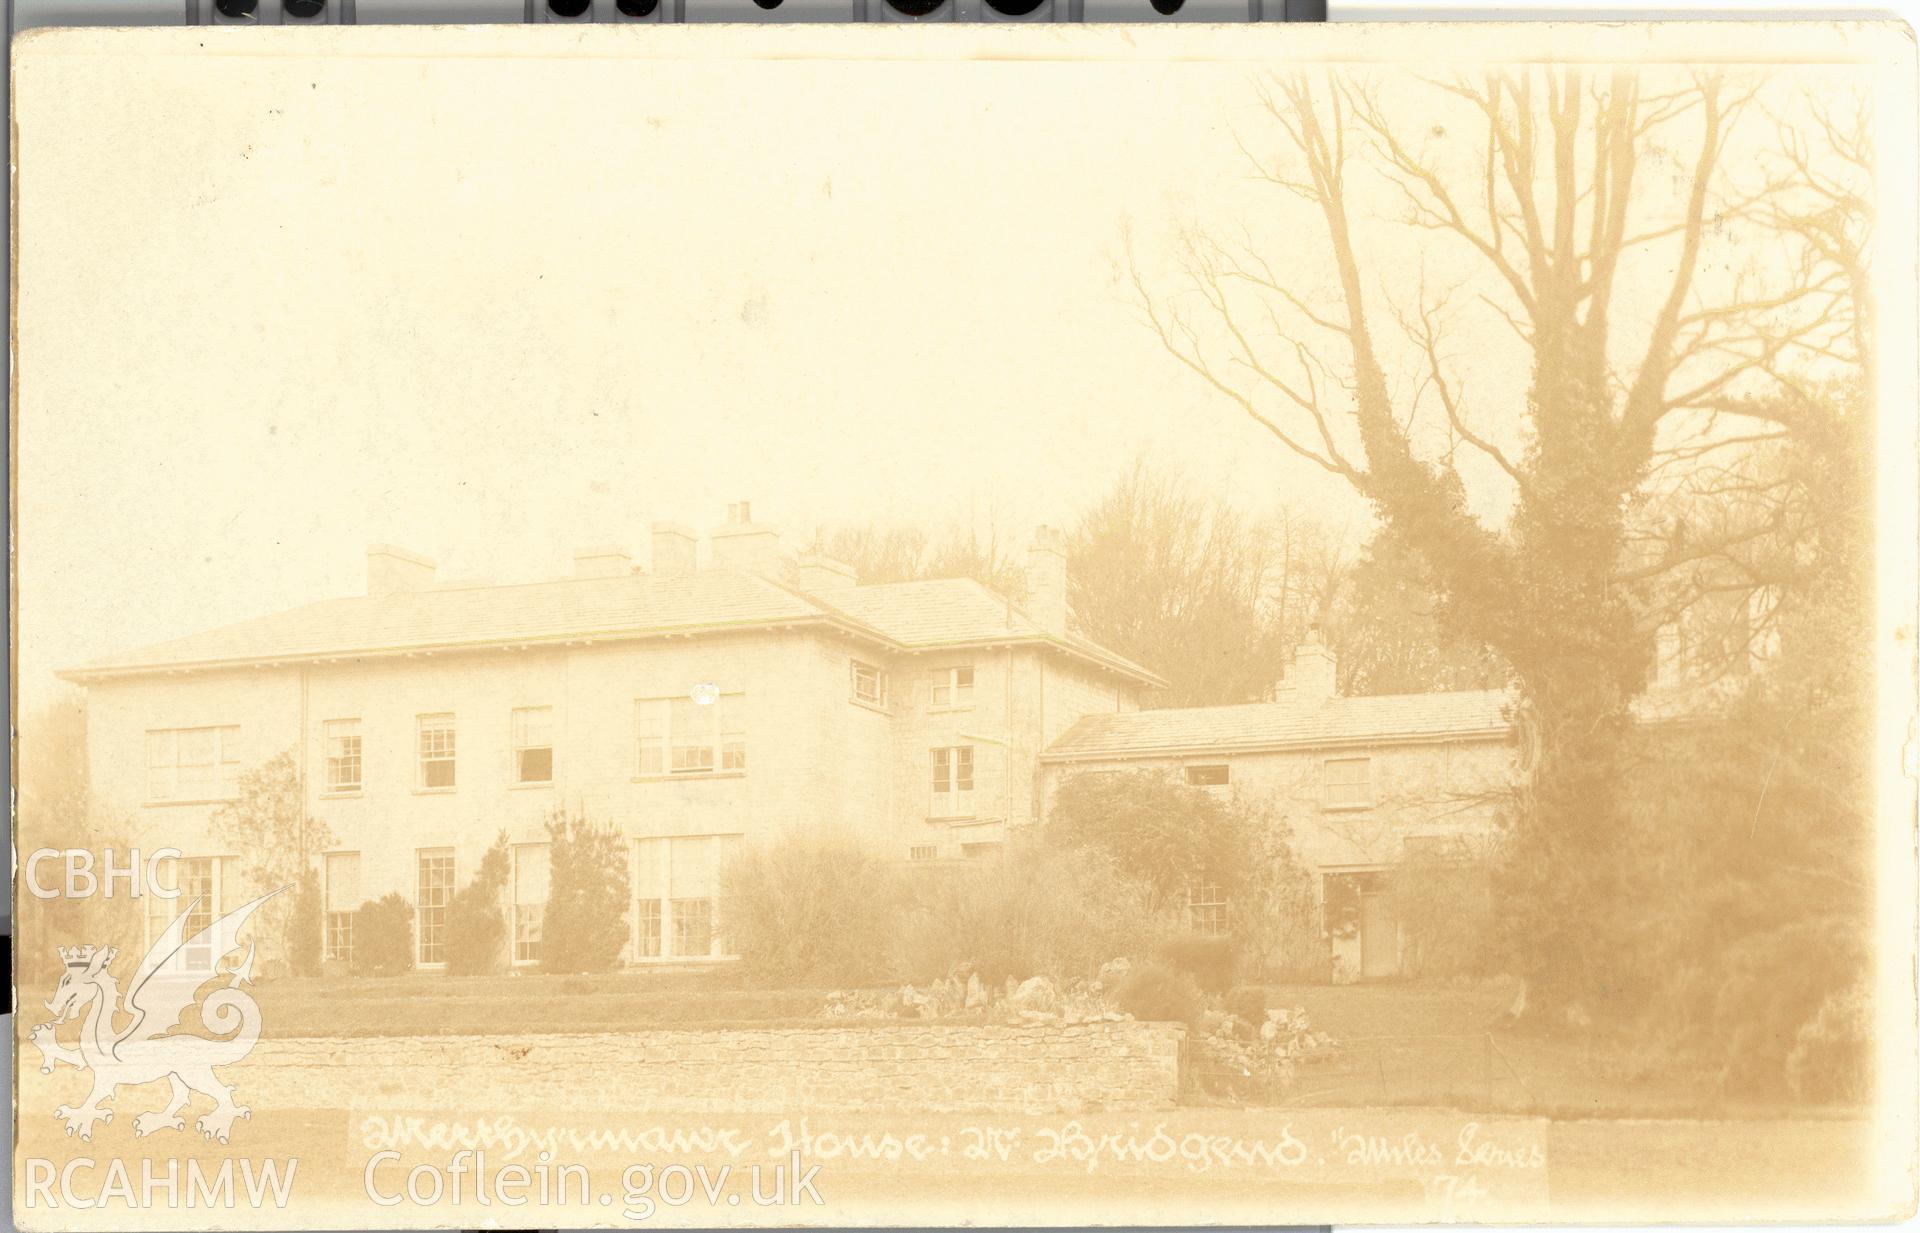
(147,1048)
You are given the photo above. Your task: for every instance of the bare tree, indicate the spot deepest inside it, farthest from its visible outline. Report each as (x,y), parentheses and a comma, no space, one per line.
(1210,598)
(1583,210)
(884,552)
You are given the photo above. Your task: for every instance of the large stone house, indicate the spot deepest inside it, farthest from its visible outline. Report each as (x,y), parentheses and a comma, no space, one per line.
(697,707)
(691,707)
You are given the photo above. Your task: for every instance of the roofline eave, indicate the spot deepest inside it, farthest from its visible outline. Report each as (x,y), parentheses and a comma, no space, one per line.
(1112,754)
(86,674)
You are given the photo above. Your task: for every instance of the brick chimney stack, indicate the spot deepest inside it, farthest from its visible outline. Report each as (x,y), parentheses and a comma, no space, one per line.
(741,543)
(602,563)
(675,550)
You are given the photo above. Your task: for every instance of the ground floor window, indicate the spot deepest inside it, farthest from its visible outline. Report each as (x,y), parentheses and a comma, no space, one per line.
(433,892)
(201,883)
(1207,909)
(342,894)
(530,867)
(676,896)
(693,926)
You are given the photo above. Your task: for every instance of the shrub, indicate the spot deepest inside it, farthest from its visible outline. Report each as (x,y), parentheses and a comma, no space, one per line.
(1247,1003)
(1275,917)
(1157,992)
(476,925)
(1037,911)
(1208,959)
(1444,898)
(811,908)
(1166,833)
(267,825)
(824,910)
(101,920)
(383,936)
(584,925)
(303,931)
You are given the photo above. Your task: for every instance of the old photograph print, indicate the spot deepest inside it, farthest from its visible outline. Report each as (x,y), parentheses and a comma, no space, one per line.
(721,627)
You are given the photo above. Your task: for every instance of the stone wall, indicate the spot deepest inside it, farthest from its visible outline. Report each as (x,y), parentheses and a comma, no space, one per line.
(1032,1068)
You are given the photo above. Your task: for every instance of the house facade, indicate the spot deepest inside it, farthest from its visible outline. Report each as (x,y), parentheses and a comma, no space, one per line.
(695,708)
(697,705)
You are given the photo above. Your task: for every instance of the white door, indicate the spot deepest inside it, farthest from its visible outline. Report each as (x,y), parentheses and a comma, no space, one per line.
(1379,937)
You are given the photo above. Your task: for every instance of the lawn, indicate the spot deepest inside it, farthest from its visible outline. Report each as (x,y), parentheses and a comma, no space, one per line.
(425,1003)
(434,1003)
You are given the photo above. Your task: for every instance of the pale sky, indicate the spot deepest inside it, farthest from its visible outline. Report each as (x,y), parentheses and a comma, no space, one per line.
(275,307)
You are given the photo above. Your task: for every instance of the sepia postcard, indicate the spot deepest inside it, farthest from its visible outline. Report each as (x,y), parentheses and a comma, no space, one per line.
(723,626)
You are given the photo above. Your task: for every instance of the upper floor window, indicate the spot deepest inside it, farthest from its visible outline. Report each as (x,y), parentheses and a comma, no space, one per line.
(436,751)
(533,744)
(953,782)
(1348,783)
(1207,776)
(680,736)
(193,764)
(342,740)
(733,732)
(953,687)
(869,684)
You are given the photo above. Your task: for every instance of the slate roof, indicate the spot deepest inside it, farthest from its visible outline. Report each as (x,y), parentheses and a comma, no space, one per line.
(962,612)
(1288,724)
(900,616)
